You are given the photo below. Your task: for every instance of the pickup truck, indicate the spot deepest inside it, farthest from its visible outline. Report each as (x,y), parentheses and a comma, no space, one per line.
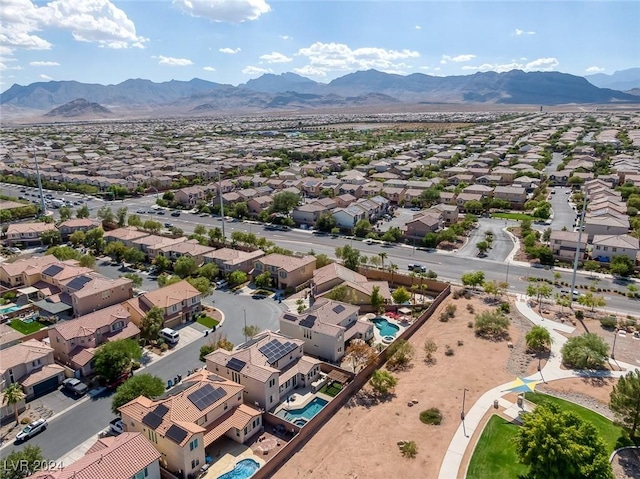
(116,426)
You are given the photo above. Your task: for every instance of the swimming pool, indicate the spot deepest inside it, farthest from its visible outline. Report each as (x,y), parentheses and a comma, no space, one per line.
(385,327)
(9,309)
(244,469)
(305,413)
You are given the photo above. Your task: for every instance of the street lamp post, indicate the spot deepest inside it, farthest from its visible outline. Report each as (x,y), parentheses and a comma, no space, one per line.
(507,278)
(578,248)
(613,349)
(245,324)
(462,413)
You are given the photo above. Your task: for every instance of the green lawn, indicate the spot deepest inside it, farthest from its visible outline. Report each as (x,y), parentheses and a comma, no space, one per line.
(495,456)
(332,390)
(607,430)
(513,216)
(26,328)
(208,321)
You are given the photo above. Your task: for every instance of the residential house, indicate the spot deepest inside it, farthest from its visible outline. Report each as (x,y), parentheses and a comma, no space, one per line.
(127,456)
(185,422)
(229,260)
(259,204)
(308,213)
(358,288)
(27,233)
(425,223)
(605,247)
(11,274)
(190,248)
(180,302)
(152,245)
(286,271)
(605,224)
(75,341)
(30,364)
(326,328)
(190,196)
(347,218)
(564,245)
(269,365)
(67,228)
(515,195)
(126,236)
(449,213)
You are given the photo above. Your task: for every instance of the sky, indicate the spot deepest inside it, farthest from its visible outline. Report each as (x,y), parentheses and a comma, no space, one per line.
(233,41)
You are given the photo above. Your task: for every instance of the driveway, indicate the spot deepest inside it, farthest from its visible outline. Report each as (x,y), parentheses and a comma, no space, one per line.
(502,243)
(563,213)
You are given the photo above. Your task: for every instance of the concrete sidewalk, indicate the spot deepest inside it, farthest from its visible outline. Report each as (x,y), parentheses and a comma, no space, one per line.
(552,371)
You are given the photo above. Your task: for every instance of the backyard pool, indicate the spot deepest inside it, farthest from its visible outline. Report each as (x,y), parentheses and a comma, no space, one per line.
(385,327)
(9,309)
(244,469)
(305,413)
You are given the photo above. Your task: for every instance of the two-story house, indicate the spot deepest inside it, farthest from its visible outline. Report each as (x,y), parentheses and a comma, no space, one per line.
(11,274)
(27,233)
(67,228)
(564,245)
(358,288)
(74,341)
(185,421)
(605,247)
(190,248)
(229,260)
(125,235)
(179,301)
(326,328)
(286,271)
(268,366)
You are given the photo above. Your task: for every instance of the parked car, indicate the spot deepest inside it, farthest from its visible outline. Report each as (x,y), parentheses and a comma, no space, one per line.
(418,268)
(168,225)
(576,294)
(175,213)
(222,283)
(119,380)
(31,430)
(116,426)
(75,386)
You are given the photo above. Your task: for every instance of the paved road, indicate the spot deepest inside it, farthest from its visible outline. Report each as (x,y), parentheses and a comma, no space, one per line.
(502,244)
(564,215)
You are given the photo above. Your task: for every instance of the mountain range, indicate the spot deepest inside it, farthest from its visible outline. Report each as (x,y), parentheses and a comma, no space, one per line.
(289,91)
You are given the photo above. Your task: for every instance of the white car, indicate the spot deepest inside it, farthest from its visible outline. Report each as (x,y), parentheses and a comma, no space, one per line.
(31,430)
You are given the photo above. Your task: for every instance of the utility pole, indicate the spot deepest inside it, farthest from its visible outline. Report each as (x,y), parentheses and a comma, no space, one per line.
(578,247)
(43,205)
(462,413)
(224,237)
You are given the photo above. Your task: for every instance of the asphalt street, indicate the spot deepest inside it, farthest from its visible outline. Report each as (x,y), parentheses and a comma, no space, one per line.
(502,244)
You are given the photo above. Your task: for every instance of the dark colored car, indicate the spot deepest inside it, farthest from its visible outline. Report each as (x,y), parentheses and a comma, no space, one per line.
(75,386)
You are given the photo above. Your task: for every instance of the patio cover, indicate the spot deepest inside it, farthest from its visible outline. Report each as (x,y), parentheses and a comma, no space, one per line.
(338,376)
(28,290)
(404,310)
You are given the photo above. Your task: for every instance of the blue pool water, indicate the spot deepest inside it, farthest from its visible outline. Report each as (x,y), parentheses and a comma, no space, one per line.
(385,327)
(9,309)
(306,413)
(244,469)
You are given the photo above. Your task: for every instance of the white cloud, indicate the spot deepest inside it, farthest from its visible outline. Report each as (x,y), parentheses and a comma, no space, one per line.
(174,62)
(250,70)
(44,64)
(46,77)
(275,57)
(230,51)
(418,27)
(96,21)
(424,68)
(285,37)
(519,32)
(209,69)
(460,58)
(339,57)
(227,11)
(541,64)
(310,71)
(5,67)
(594,70)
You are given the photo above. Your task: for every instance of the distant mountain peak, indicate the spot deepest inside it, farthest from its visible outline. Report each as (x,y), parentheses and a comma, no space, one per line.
(78,107)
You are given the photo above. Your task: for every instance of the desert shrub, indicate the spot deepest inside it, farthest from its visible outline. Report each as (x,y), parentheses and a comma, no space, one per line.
(25,420)
(457,294)
(579,314)
(444,317)
(587,351)
(400,354)
(431,416)
(460,342)
(504,307)
(164,347)
(609,322)
(135,365)
(451,310)
(448,350)
(470,308)
(470,324)
(409,449)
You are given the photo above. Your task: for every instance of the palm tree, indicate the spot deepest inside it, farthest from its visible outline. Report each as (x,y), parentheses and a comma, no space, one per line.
(12,396)
(383,256)
(393,267)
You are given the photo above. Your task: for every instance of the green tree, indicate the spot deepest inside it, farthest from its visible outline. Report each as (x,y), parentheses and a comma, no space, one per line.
(82,212)
(202,284)
(401,295)
(539,290)
(383,382)
(219,341)
(238,277)
(284,202)
(592,301)
(200,230)
(361,228)
(133,255)
(430,348)
(94,239)
(134,220)
(621,265)
(22,463)
(326,222)
(538,339)
(162,263)
(121,215)
(87,261)
(587,351)
(263,280)
(430,196)
(139,385)
(350,256)
(376,298)
(400,354)
(77,238)
(152,323)
(322,260)
(116,250)
(495,288)
(136,279)
(51,237)
(491,325)
(482,246)
(185,266)
(209,271)
(625,402)
(65,213)
(166,279)
(152,226)
(473,279)
(64,253)
(591,265)
(360,354)
(558,444)
(250,331)
(382,257)
(12,396)
(106,215)
(115,357)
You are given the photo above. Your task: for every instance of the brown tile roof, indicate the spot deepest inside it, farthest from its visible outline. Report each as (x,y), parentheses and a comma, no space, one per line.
(20,265)
(238,418)
(333,271)
(37,227)
(45,372)
(81,356)
(25,352)
(119,457)
(172,294)
(79,223)
(89,323)
(123,234)
(287,263)
(191,247)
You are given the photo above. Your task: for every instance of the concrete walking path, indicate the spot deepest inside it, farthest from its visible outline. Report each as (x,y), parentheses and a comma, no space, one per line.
(552,371)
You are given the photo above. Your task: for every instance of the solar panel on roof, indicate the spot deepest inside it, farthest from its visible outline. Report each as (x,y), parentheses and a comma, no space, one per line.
(308,322)
(78,283)
(338,308)
(161,410)
(274,350)
(290,317)
(206,396)
(152,420)
(176,434)
(236,364)
(52,270)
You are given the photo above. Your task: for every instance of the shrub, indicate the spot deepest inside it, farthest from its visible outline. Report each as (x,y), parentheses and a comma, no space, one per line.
(431,416)
(25,420)
(409,449)
(579,314)
(492,325)
(609,322)
(400,354)
(451,310)
(164,347)
(504,307)
(135,365)
(470,308)
(448,351)
(460,342)
(444,317)
(587,351)
(470,324)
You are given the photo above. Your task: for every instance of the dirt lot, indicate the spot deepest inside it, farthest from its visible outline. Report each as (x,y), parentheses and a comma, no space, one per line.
(361,440)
